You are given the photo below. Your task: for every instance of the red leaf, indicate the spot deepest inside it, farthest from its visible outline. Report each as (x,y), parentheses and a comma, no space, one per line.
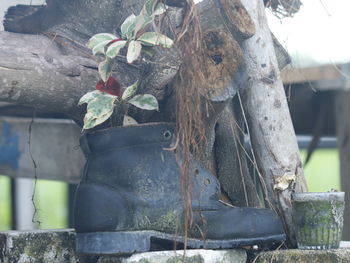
(111,86)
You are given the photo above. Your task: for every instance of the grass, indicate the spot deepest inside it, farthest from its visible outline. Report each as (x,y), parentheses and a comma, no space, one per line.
(5,204)
(52,202)
(322,172)
(51,199)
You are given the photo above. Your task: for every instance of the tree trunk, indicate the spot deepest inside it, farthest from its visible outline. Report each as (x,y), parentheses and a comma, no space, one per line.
(271,130)
(39,75)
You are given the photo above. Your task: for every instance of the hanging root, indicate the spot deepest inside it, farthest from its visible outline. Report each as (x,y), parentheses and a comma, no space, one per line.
(190,81)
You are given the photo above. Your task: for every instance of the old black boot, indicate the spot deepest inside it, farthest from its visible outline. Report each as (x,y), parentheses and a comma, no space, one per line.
(129,198)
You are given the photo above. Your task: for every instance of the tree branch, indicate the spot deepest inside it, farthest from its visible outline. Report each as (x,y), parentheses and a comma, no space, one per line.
(269,121)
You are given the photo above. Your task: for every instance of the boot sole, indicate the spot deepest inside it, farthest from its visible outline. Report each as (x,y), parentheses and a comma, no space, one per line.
(143,241)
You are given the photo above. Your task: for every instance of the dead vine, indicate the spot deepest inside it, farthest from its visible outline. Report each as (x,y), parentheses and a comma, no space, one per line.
(190,83)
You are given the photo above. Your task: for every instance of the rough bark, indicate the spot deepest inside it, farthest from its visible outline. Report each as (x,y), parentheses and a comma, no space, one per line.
(70,23)
(271,130)
(342,108)
(35,72)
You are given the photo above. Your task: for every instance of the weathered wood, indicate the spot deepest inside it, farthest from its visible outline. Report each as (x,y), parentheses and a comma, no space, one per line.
(342,109)
(310,74)
(272,135)
(59,67)
(326,77)
(231,161)
(35,72)
(54,146)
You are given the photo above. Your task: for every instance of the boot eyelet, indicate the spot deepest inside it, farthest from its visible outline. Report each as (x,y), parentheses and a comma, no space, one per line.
(167,135)
(206,181)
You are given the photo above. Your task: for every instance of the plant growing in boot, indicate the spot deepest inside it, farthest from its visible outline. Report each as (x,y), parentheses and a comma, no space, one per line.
(109,98)
(142,188)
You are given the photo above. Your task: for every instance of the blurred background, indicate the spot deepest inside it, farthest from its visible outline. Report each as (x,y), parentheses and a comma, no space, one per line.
(316,39)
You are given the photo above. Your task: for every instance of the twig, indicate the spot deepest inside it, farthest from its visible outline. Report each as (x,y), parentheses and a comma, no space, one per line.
(34,166)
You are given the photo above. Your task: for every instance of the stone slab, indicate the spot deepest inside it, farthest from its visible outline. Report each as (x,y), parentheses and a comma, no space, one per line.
(58,246)
(191,256)
(54,246)
(345,244)
(304,256)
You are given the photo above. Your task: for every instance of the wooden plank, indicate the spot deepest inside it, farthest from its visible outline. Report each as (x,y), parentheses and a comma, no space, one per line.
(342,109)
(327,77)
(54,146)
(301,75)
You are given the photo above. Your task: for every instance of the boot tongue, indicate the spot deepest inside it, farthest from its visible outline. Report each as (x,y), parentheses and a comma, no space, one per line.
(128,136)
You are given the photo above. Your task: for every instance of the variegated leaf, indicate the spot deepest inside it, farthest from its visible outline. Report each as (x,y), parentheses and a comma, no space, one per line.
(129,121)
(99,38)
(130,91)
(160,9)
(99,110)
(134,51)
(155,39)
(128,26)
(100,48)
(105,68)
(145,102)
(89,96)
(113,49)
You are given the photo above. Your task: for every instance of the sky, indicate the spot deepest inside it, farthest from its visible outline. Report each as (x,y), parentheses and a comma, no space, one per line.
(317,34)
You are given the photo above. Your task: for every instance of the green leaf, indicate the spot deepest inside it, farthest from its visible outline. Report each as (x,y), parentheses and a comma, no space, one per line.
(129,121)
(130,91)
(145,102)
(160,9)
(113,49)
(147,14)
(89,96)
(100,48)
(142,20)
(99,38)
(134,51)
(155,39)
(105,68)
(128,26)
(147,8)
(99,110)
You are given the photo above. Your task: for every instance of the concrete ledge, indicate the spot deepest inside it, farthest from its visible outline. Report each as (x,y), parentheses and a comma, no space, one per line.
(192,256)
(305,256)
(58,246)
(37,246)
